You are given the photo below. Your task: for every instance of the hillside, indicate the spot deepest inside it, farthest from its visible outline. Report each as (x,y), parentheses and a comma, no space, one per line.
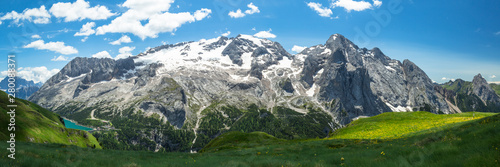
(394,125)
(473,143)
(38,125)
(238,140)
(496,87)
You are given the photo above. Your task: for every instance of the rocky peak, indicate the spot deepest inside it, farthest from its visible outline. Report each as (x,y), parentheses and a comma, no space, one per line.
(478,79)
(337,41)
(219,43)
(483,90)
(99,68)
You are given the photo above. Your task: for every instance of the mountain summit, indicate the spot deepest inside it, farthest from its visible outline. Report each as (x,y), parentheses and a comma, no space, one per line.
(181,84)
(338,77)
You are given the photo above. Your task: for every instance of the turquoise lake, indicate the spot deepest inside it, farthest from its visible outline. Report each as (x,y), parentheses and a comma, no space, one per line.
(72,125)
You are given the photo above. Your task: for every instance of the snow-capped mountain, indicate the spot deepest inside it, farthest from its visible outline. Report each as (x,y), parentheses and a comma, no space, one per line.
(338,77)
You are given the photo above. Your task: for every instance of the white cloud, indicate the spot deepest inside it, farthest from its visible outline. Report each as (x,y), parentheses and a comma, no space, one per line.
(80,10)
(123,39)
(35,15)
(226,34)
(352,5)
(102,54)
(265,34)
(322,11)
(63,30)
(497,33)
(84,39)
(377,3)
(298,49)
(202,13)
(493,76)
(124,52)
(35,74)
(58,47)
(448,79)
(238,14)
(254,29)
(60,58)
(36,36)
(86,30)
(156,16)
(148,6)
(253,9)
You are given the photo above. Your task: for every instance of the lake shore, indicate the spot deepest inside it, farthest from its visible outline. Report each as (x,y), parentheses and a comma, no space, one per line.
(76,123)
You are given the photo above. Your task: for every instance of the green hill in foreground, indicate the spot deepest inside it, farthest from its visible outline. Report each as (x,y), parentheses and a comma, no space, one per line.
(36,124)
(470,143)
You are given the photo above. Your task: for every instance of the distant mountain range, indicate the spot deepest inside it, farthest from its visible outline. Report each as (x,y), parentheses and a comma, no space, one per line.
(199,90)
(24,88)
(477,95)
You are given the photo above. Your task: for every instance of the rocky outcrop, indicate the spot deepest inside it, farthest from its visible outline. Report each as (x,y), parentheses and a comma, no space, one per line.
(482,89)
(366,82)
(470,96)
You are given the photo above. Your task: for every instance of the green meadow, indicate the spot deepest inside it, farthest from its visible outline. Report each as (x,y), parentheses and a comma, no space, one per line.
(469,142)
(393,125)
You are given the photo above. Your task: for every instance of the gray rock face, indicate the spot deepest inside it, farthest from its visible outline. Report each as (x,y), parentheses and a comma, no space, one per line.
(421,89)
(366,82)
(221,42)
(237,47)
(177,81)
(465,96)
(483,90)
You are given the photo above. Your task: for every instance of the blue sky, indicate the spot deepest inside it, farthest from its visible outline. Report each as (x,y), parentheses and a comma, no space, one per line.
(447,39)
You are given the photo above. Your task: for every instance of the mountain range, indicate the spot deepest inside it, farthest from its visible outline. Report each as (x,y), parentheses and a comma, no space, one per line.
(179,96)
(24,88)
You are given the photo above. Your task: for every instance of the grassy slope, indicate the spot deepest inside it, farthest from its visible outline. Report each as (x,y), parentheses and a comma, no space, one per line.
(496,87)
(465,85)
(40,125)
(393,125)
(237,140)
(473,143)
